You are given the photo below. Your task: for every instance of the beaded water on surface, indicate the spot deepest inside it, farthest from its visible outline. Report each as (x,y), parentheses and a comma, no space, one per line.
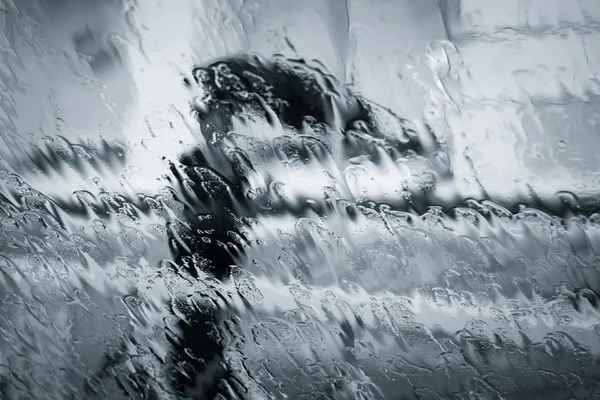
(264,199)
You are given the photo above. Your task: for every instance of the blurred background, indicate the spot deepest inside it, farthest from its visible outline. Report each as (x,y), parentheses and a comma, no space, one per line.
(511,86)
(509,89)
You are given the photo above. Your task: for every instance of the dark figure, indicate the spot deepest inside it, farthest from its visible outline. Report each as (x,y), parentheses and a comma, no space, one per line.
(286,92)
(218,190)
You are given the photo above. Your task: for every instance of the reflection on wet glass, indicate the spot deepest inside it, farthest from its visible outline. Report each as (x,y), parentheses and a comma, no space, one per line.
(277,199)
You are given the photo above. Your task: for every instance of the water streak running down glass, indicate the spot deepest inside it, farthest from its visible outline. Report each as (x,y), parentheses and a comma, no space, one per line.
(273,199)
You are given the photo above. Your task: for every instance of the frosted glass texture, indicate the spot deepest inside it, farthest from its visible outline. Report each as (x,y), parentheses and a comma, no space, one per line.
(281,199)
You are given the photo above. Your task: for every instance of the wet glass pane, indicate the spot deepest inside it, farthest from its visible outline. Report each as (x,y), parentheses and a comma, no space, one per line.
(281,199)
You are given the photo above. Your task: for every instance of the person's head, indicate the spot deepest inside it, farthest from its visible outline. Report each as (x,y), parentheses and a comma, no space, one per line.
(259,116)
(289,90)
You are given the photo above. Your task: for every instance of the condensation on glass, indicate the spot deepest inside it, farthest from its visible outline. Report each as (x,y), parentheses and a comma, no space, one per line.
(311,200)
